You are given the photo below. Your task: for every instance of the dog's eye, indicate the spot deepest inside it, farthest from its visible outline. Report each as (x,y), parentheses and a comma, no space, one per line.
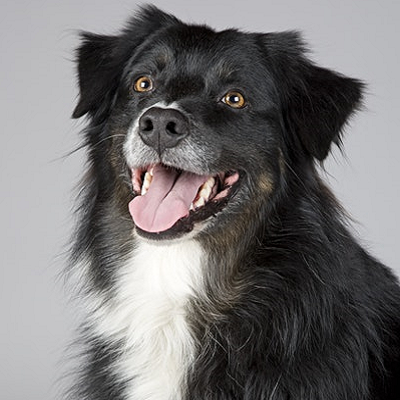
(234,99)
(143,84)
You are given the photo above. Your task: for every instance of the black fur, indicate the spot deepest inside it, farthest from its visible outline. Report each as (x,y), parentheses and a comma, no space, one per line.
(296,309)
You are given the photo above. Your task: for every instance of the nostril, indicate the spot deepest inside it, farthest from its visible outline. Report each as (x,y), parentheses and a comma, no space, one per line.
(146,125)
(171,127)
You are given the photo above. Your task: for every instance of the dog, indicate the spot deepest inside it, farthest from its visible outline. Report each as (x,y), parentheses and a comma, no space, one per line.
(213,260)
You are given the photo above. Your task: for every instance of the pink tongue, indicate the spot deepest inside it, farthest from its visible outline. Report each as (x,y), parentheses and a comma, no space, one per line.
(167,200)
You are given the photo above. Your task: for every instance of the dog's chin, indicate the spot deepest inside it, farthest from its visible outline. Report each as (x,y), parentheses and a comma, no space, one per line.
(171,203)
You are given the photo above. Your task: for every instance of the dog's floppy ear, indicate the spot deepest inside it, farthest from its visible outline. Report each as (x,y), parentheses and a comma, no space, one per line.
(320,107)
(98,72)
(101,59)
(317,101)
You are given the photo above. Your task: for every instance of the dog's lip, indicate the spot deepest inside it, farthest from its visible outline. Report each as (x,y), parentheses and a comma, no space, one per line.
(224,186)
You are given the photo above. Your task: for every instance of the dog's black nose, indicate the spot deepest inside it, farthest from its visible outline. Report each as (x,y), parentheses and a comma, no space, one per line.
(162,128)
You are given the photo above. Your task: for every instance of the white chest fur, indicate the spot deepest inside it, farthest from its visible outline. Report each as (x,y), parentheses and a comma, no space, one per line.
(149,315)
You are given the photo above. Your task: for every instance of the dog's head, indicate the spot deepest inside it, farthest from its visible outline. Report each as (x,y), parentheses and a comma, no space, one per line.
(205,123)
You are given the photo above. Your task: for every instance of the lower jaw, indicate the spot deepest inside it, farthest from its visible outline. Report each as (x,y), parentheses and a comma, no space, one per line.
(189,226)
(169,235)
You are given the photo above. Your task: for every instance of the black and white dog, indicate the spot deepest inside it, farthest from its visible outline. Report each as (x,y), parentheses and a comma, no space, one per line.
(215,263)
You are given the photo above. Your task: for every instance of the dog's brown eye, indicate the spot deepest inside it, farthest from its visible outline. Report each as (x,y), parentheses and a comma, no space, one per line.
(234,99)
(143,84)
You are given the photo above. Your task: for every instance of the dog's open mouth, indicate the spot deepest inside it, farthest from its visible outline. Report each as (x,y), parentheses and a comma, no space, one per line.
(169,198)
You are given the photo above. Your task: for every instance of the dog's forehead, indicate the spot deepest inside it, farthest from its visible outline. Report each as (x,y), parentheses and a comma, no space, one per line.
(200,50)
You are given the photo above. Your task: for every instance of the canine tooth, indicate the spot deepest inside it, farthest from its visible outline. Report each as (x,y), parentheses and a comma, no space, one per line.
(210,182)
(146,183)
(148,177)
(150,171)
(199,202)
(206,187)
(205,192)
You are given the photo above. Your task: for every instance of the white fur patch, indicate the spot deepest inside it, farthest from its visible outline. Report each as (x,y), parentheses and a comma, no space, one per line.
(149,314)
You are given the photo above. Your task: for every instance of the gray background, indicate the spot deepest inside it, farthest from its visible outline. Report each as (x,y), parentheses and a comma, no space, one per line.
(38,92)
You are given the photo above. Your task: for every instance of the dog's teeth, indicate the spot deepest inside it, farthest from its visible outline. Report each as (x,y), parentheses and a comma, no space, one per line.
(206,188)
(205,192)
(210,182)
(146,183)
(199,202)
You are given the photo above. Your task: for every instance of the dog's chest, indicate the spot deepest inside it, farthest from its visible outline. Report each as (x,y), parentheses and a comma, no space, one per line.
(154,288)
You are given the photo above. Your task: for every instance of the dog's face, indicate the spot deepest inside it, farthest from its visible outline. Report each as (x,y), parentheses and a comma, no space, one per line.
(205,123)
(198,124)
